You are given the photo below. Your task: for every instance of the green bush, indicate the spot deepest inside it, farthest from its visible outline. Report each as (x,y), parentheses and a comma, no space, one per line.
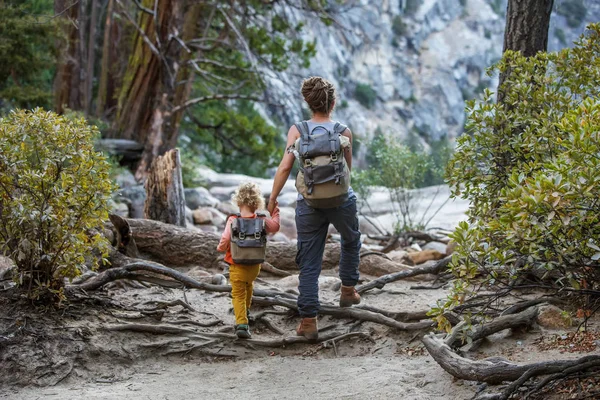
(573,10)
(400,170)
(531,170)
(54,189)
(365,95)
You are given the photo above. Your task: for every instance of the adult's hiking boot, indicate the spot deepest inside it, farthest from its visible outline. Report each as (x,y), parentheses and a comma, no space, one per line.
(349,296)
(242,331)
(308,328)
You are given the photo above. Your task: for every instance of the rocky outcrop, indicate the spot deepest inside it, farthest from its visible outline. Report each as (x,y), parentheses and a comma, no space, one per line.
(421,58)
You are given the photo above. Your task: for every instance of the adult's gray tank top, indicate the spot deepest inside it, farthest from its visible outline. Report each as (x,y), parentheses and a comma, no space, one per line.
(321,126)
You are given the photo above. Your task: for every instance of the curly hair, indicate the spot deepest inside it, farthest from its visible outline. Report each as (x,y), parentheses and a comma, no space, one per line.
(249,194)
(319,94)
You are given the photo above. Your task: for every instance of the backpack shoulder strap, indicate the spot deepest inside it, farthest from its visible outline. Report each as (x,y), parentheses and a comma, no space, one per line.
(304,133)
(339,128)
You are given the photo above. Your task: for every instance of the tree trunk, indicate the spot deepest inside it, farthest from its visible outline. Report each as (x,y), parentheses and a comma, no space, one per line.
(165,200)
(527,23)
(67,81)
(89,74)
(152,80)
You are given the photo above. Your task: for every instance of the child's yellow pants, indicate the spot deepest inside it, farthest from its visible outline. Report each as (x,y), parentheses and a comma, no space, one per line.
(242,279)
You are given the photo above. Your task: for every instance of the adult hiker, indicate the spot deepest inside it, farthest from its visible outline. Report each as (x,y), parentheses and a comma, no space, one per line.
(323,148)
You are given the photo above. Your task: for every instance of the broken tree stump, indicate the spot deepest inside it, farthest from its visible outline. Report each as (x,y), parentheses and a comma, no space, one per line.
(165,199)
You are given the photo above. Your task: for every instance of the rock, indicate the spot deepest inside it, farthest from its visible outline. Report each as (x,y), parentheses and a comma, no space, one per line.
(420,257)
(227,208)
(199,197)
(208,228)
(325,282)
(400,256)
(5,265)
(288,222)
(125,179)
(218,218)
(120,209)
(279,237)
(375,265)
(437,246)
(222,193)
(366,226)
(552,317)
(198,272)
(202,216)
(135,197)
(288,199)
(189,217)
(451,247)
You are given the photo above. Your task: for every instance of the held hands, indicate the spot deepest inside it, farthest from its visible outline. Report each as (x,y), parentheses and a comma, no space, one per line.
(273,203)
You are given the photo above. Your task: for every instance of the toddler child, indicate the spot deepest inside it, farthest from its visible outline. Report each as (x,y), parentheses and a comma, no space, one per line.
(249,199)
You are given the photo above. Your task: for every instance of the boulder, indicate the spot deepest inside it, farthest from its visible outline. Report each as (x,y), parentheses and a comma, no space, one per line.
(208,228)
(552,317)
(202,216)
(437,246)
(375,265)
(5,265)
(400,256)
(222,193)
(288,222)
(419,257)
(120,209)
(125,179)
(134,197)
(451,247)
(227,208)
(288,199)
(199,197)
(218,218)
(189,217)
(279,237)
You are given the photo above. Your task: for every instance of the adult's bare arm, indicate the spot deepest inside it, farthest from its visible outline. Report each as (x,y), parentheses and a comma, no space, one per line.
(348,150)
(284,169)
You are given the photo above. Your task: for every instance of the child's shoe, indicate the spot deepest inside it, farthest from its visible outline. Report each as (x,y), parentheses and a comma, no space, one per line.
(242,331)
(308,328)
(349,296)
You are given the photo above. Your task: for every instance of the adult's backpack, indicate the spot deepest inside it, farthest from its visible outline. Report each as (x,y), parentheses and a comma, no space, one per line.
(248,240)
(324,177)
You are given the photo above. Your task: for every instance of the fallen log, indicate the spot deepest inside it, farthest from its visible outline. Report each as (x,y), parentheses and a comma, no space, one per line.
(380,282)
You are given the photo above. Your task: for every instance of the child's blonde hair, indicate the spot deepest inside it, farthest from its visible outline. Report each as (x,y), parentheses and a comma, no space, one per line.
(249,194)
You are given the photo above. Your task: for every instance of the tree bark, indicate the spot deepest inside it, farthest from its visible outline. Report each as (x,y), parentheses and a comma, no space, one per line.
(91,53)
(527,23)
(151,84)
(67,81)
(165,200)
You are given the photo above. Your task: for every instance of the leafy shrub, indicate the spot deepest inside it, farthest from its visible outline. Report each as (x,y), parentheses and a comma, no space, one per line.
(530,168)
(365,95)
(400,170)
(54,189)
(573,10)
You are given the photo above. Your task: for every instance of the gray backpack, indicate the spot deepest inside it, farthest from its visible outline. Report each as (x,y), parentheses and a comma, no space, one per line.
(248,240)
(324,177)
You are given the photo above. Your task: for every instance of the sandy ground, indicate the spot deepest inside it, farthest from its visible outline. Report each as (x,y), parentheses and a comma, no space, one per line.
(272,378)
(392,366)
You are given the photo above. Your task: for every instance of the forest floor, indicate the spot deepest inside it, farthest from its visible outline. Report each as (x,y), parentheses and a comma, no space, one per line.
(73,353)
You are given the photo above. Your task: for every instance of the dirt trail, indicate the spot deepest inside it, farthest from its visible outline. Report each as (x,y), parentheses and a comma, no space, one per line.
(271,378)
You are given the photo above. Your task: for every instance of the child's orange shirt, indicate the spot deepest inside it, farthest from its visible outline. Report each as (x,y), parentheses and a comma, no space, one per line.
(271,226)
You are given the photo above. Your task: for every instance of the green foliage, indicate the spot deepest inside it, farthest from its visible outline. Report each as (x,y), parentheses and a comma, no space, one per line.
(399,26)
(400,170)
(54,189)
(573,10)
(365,94)
(232,138)
(530,168)
(27,52)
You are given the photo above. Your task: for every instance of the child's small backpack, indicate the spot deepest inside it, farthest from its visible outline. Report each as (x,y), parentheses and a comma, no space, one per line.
(324,177)
(248,240)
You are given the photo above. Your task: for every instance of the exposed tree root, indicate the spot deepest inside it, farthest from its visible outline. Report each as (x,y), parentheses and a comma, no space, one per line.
(404,316)
(350,313)
(380,282)
(494,370)
(267,267)
(524,318)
